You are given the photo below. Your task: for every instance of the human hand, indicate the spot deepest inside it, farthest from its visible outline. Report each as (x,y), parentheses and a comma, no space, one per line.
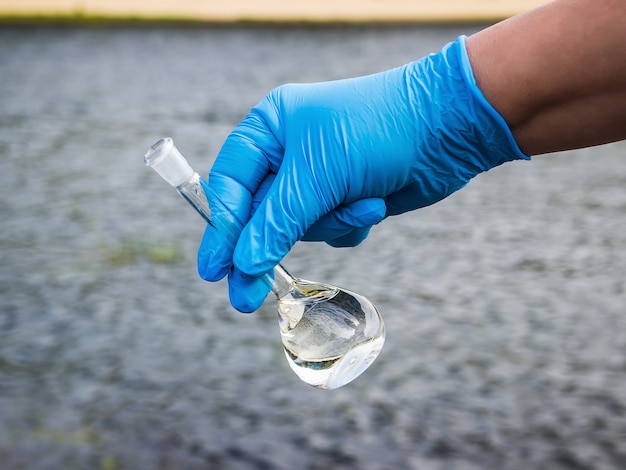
(326,161)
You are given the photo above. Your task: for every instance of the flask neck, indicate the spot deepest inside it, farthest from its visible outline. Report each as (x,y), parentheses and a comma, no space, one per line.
(283,282)
(192,190)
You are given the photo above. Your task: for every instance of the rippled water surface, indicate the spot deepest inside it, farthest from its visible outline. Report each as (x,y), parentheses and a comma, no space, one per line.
(504,304)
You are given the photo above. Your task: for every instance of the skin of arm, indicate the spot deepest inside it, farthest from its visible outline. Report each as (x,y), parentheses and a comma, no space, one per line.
(557,74)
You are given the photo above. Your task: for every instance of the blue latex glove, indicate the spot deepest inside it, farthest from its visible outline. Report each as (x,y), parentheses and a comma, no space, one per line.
(327,161)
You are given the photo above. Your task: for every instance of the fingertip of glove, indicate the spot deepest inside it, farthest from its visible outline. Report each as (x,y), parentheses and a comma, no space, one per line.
(211,267)
(247,293)
(208,270)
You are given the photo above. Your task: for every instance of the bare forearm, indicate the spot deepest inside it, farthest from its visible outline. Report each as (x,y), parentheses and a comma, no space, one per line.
(557,74)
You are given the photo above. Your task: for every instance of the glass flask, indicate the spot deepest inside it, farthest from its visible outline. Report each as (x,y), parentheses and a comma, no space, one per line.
(330,335)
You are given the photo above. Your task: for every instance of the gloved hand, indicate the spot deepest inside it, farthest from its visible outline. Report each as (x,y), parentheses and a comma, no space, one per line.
(327,161)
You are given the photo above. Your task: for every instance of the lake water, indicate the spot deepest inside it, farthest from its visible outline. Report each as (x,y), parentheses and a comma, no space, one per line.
(505,304)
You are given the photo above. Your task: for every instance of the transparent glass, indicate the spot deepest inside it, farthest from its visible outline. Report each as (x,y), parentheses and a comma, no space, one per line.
(330,335)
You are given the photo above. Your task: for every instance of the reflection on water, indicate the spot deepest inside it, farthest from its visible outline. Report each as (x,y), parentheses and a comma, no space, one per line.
(504,304)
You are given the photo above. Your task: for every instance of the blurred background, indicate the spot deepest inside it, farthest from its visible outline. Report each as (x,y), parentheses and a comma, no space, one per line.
(504,303)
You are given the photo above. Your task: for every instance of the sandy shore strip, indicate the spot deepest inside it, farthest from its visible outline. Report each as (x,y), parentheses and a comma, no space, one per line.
(271,10)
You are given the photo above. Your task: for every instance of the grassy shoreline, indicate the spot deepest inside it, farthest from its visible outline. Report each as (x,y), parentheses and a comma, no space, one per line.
(132,20)
(269,12)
